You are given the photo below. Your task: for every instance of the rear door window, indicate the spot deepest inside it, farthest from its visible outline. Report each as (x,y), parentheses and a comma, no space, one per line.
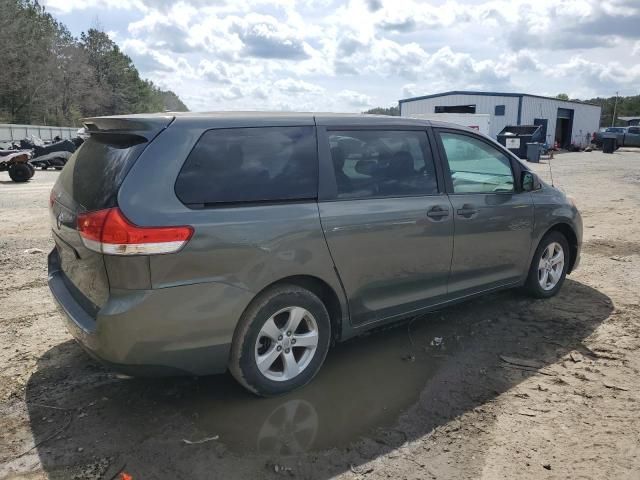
(378,163)
(95,171)
(266,164)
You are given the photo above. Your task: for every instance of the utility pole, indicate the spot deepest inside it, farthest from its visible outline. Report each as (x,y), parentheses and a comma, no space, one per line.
(615,106)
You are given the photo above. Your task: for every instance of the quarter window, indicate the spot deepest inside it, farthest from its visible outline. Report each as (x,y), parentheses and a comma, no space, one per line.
(476,167)
(250,165)
(374,163)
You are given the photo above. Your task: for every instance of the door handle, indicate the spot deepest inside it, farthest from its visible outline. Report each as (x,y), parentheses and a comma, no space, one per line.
(467,211)
(438,212)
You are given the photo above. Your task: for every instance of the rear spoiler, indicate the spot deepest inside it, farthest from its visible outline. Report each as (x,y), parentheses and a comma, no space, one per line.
(147,126)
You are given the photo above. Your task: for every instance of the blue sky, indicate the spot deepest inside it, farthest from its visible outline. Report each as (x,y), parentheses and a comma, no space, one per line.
(325,55)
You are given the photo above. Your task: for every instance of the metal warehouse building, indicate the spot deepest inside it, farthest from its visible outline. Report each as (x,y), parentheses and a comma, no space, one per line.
(563,121)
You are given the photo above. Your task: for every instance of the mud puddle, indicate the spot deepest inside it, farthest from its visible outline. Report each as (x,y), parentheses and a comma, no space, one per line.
(362,389)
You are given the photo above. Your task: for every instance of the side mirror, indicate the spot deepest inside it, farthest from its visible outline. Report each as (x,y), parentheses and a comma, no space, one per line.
(527,181)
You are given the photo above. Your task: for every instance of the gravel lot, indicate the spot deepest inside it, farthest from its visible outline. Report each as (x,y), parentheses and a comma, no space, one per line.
(395,404)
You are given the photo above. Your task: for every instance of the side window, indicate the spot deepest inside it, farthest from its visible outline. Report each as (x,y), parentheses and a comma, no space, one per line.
(250,165)
(475,166)
(634,130)
(375,163)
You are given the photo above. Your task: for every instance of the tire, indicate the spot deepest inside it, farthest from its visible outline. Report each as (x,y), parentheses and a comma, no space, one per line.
(20,172)
(33,170)
(277,307)
(535,279)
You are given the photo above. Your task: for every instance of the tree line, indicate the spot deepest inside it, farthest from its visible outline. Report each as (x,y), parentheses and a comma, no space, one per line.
(626,107)
(47,76)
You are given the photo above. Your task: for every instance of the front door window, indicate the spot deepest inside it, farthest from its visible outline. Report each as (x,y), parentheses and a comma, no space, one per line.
(476,167)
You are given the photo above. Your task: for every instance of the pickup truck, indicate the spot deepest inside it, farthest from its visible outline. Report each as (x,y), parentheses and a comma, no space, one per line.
(626,136)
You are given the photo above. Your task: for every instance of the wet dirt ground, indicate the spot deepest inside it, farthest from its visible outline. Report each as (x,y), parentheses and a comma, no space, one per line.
(515,388)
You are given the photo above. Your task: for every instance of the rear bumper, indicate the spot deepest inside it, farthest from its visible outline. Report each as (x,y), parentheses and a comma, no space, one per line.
(178,330)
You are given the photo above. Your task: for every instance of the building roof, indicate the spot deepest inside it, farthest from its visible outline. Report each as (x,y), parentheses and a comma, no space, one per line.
(489,94)
(628,119)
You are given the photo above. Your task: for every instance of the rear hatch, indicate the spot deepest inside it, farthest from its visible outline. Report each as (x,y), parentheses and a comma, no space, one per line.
(89,182)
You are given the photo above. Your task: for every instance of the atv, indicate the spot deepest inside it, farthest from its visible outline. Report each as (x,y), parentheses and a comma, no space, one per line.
(17,164)
(53,155)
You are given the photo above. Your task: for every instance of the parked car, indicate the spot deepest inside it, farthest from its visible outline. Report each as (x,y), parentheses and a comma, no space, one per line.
(625,136)
(198,243)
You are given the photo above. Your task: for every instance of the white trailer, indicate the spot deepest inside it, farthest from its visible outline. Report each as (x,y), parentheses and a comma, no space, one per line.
(478,121)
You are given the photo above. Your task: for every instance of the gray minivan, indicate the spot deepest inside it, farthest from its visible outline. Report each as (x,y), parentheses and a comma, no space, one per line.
(196,243)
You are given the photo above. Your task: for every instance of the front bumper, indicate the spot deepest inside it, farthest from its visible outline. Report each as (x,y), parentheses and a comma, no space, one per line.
(177,330)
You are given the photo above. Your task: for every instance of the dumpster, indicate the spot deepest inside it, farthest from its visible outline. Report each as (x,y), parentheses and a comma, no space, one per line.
(533,152)
(516,137)
(609,143)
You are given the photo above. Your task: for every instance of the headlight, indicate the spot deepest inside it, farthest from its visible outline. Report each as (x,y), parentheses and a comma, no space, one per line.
(572,200)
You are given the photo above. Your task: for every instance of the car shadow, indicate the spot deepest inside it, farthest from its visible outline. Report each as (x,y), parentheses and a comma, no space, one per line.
(373,394)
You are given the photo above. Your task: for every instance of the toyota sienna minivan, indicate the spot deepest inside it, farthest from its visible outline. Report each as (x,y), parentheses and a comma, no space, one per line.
(196,243)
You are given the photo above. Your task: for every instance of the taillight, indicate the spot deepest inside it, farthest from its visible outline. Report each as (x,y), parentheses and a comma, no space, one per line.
(108,231)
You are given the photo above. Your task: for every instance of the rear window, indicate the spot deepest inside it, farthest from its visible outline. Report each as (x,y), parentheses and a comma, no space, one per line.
(266,164)
(94,173)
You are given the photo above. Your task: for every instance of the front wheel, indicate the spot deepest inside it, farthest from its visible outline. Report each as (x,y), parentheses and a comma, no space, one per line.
(281,341)
(549,266)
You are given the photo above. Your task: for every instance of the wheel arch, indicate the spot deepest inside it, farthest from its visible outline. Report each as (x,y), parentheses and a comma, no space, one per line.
(337,310)
(572,239)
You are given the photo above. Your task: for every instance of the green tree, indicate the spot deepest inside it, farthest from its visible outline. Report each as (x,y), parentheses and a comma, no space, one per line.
(562,96)
(27,35)
(627,107)
(48,76)
(393,111)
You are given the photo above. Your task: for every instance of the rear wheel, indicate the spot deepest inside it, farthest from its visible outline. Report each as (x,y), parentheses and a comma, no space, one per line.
(32,169)
(281,341)
(20,172)
(549,266)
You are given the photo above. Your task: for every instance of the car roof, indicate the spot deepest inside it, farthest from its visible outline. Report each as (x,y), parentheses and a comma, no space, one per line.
(234,119)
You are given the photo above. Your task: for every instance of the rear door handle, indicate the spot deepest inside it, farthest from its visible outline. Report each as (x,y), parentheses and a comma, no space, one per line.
(438,212)
(467,211)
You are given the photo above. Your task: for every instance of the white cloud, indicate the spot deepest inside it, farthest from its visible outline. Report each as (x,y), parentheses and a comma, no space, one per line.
(355,99)
(348,55)
(296,87)
(601,77)
(150,60)
(66,6)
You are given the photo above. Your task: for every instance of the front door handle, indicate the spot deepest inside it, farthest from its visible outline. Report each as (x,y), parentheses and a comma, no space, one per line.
(467,211)
(438,212)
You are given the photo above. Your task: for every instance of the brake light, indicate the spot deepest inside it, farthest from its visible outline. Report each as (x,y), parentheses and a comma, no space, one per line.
(108,231)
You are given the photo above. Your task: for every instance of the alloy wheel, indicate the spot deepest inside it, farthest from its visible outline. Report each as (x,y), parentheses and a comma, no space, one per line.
(551,266)
(286,344)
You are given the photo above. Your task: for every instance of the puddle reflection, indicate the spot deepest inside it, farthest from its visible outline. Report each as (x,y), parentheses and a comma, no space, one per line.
(365,384)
